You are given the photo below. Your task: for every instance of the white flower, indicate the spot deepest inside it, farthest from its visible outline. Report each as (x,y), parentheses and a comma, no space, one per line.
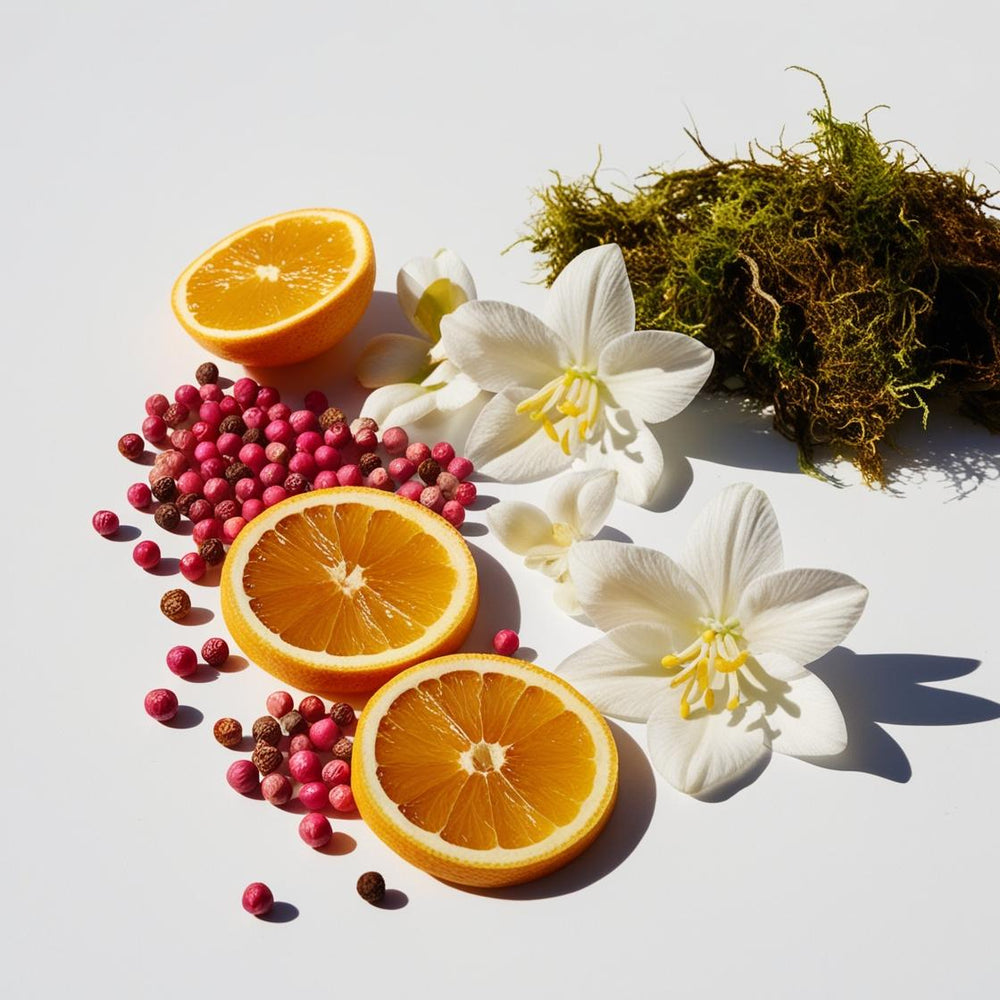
(576,508)
(411,375)
(710,651)
(579,382)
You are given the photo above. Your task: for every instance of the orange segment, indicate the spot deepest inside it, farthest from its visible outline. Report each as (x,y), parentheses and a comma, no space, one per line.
(337,590)
(280,290)
(483,770)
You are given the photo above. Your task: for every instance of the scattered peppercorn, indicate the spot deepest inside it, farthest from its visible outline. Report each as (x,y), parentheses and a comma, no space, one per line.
(131,446)
(175,604)
(342,714)
(266,730)
(506,642)
(206,373)
(279,703)
(105,522)
(331,416)
(167,516)
(164,488)
(161,704)
(311,708)
(212,551)
(266,758)
(292,722)
(228,732)
(341,750)
(371,887)
(369,462)
(429,470)
(257,897)
(215,652)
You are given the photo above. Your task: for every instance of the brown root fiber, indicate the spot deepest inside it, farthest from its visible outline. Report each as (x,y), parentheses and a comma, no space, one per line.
(841,282)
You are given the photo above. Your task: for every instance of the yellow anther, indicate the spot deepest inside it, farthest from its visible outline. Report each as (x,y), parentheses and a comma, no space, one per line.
(702,674)
(670,661)
(733,703)
(564,442)
(685,708)
(569,409)
(549,429)
(709,699)
(582,429)
(708,635)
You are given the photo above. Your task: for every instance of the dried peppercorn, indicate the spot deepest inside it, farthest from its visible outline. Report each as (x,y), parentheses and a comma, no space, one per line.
(184,501)
(164,488)
(233,424)
(429,470)
(228,732)
(175,415)
(215,651)
(176,604)
(292,722)
(266,758)
(341,750)
(207,372)
(167,516)
(371,887)
(369,462)
(131,446)
(212,551)
(331,416)
(266,730)
(237,471)
(254,435)
(342,714)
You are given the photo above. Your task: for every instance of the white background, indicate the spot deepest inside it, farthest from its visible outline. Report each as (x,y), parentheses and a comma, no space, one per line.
(134,136)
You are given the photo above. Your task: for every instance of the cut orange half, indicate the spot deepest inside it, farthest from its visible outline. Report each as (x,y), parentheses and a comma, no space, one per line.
(338,590)
(483,770)
(280,290)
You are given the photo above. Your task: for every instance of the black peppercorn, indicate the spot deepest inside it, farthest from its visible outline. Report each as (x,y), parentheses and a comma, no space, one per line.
(184,502)
(331,416)
(371,887)
(369,462)
(206,373)
(429,470)
(254,435)
(212,551)
(342,749)
(266,730)
(292,722)
(342,714)
(236,471)
(164,488)
(233,424)
(167,516)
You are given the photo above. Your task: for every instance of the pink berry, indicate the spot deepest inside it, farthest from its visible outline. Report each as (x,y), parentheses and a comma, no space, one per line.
(243,776)
(247,489)
(303,463)
(193,567)
(251,508)
(337,435)
(217,489)
(156,405)
(325,480)
(316,401)
(154,430)
(432,497)
(506,642)
(460,467)
(252,456)
(138,496)
(161,704)
(442,453)
(190,482)
(401,469)
(229,406)
(341,798)
(183,441)
(411,490)
(254,418)
(199,510)
(417,452)
(324,733)
(245,391)
(210,413)
(202,431)
(279,703)
(182,661)
(105,522)
(211,391)
(366,439)
(326,458)
(315,829)
(279,411)
(465,493)
(349,475)
(273,474)
(273,495)
(257,899)
(314,795)
(280,431)
(295,483)
(363,423)
(311,708)
(226,509)
(300,741)
(454,513)
(204,450)
(276,788)
(277,452)
(175,415)
(304,766)
(215,651)
(210,527)
(146,554)
(302,421)
(188,395)
(229,444)
(336,772)
(232,527)
(212,468)
(131,446)
(308,441)
(448,484)
(380,480)
(395,440)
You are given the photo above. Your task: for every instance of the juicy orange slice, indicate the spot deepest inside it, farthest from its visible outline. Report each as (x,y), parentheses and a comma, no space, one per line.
(483,770)
(338,590)
(280,290)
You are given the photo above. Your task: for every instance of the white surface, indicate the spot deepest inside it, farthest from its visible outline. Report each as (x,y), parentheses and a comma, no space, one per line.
(136,135)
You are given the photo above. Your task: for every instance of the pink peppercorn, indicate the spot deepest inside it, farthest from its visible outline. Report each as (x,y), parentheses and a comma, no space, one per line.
(131,446)
(211,392)
(295,483)
(231,527)
(349,475)
(312,708)
(303,463)
(161,704)
(217,489)
(184,441)
(341,798)
(273,495)
(279,411)
(188,395)
(302,421)
(336,772)
(175,414)
(379,479)
(243,776)
(157,404)
(401,469)
(273,474)
(245,391)
(226,509)
(316,401)
(300,741)
(314,795)
(229,444)
(442,453)
(215,651)
(168,463)
(465,493)
(212,468)
(337,435)
(146,554)
(251,508)
(154,430)
(418,452)
(325,480)
(279,703)
(411,490)
(432,497)
(276,788)
(308,441)
(395,440)
(210,527)
(367,423)
(210,413)
(506,642)
(105,522)
(252,456)
(229,406)
(315,829)
(280,431)
(460,467)
(257,899)
(454,513)
(448,484)
(255,418)
(277,452)
(138,496)
(182,661)
(248,489)
(193,566)
(203,431)
(204,450)
(326,458)
(199,510)
(190,482)
(304,766)
(366,439)
(324,733)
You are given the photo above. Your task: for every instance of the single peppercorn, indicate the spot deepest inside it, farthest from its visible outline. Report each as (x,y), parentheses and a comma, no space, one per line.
(233,424)
(254,435)
(342,714)
(184,501)
(164,488)
(215,652)
(292,722)
(175,604)
(266,758)
(228,732)
(167,516)
(266,730)
(131,446)
(212,551)
(369,462)
(237,471)
(371,887)
(296,483)
(341,750)
(429,470)
(330,416)
(206,373)
(175,415)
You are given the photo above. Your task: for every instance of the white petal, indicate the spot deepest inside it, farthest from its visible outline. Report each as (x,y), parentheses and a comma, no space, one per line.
(398,405)
(499,345)
(807,721)
(564,594)
(800,613)
(631,450)
(519,526)
(734,540)
(703,752)
(621,672)
(590,303)
(620,584)
(430,287)
(391,358)
(582,500)
(654,374)
(459,391)
(509,446)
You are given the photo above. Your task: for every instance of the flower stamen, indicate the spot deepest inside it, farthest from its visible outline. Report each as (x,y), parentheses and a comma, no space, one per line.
(574,394)
(716,653)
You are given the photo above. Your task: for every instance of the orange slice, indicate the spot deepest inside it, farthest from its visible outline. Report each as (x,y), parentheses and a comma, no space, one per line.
(280,290)
(483,770)
(338,590)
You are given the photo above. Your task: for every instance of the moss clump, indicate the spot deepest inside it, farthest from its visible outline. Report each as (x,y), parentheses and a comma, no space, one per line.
(841,282)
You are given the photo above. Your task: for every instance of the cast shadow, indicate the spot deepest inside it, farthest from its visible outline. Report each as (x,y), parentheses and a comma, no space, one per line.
(197,616)
(394,899)
(281,913)
(498,603)
(187,717)
(339,844)
(168,566)
(628,823)
(233,665)
(125,533)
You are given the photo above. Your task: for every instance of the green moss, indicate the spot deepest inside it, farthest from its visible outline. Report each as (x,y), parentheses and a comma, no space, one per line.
(842,281)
